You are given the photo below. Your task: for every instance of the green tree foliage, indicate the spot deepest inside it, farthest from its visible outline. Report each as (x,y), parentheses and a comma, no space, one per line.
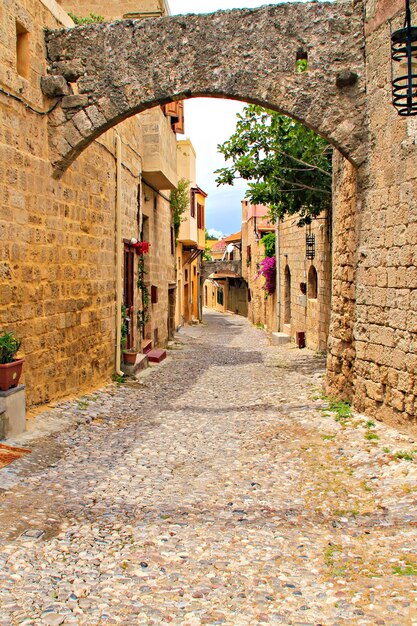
(289,165)
(268,242)
(180,201)
(210,237)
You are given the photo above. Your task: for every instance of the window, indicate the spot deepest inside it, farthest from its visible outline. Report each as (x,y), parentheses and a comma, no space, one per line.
(178,126)
(301,61)
(200,216)
(154,294)
(192,203)
(248,255)
(172,240)
(22,51)
(312,282)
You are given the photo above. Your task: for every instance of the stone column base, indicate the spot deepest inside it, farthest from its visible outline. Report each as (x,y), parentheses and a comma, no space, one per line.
(12,412)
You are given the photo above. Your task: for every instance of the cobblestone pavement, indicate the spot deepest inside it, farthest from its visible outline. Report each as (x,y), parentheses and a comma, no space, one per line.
(219,489)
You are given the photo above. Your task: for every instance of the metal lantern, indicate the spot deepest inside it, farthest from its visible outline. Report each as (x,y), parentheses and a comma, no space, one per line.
(404,66)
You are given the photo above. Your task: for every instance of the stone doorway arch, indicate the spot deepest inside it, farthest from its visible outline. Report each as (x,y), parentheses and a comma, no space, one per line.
(125,67)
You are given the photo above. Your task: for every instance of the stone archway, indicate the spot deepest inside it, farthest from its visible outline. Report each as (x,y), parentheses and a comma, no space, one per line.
(122,68)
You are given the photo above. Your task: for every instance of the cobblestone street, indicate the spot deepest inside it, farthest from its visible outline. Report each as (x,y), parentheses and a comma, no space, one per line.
(218,489)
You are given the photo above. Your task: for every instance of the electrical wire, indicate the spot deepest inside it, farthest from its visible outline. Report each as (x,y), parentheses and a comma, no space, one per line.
(28,106)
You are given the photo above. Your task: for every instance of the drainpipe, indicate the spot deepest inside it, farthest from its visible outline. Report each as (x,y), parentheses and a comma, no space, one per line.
(119,283)
(278,280)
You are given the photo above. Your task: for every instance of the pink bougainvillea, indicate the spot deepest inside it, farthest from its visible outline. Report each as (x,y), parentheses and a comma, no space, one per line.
(268,270)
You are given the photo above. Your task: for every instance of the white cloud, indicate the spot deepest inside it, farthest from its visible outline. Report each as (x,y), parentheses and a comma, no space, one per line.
(215,233)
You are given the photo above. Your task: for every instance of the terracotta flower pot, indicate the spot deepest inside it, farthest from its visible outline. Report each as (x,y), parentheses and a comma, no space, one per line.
(10,374)
(130,357)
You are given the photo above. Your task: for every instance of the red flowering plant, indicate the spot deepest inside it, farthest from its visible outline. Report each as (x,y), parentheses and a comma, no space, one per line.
(141,247)
(268,269)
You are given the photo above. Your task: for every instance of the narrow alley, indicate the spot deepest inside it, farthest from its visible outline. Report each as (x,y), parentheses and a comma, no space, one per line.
(220,488)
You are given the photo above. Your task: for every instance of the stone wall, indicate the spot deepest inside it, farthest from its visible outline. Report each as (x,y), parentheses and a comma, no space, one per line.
(310,311)
(261,307)
(57,258)
(341,347)
(373,347)
(385,330)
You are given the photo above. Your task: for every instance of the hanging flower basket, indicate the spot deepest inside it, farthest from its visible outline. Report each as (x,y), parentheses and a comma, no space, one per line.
(141,247)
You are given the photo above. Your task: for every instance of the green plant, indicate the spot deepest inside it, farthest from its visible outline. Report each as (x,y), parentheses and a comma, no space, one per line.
(371,436)
(118,378)
(180,201)
(91,18)
(9,346)
(301,65)
(268,242)
(123,335)
(404,456)
(408,570)
(370,424)
(288,166)
(142,316)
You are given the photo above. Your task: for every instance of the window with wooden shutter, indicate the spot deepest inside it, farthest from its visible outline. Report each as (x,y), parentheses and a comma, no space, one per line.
(172,110)
(154,294)
(192,202)
(200,216)
(178,127)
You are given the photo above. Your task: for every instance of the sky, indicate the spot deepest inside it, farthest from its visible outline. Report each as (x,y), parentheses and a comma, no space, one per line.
(209,122)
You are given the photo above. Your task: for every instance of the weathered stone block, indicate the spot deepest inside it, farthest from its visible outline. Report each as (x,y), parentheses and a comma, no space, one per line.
(74,101)
(54,86)
(12,412)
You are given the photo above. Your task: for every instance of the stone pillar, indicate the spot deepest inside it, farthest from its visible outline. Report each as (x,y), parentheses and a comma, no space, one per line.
(12,412)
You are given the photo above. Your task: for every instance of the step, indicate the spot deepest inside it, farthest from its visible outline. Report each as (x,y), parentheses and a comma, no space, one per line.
(140,364)
(279,339)
(146,345)
(157,355)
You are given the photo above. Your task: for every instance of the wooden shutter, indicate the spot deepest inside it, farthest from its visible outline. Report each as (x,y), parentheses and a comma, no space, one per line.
(178,127)
(172,110)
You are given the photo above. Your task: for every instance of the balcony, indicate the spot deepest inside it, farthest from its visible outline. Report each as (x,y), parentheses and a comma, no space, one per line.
(159,150)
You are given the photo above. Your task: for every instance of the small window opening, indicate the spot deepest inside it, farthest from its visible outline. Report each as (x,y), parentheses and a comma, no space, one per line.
(312,282)
(22,51)
(301,61)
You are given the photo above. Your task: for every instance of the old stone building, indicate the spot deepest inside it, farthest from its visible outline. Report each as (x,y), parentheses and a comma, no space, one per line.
(68,248)
(262,308)
(191,240)
(224,286)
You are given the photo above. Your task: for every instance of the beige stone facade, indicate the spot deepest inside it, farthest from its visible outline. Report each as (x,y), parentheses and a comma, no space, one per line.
(58,252)
(191,241)
(262,308)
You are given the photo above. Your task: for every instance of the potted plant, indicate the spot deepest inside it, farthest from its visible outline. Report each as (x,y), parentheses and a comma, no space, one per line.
(129,356)
(10,367)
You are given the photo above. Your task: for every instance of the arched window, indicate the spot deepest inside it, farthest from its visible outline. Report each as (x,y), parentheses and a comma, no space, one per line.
(312,282)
